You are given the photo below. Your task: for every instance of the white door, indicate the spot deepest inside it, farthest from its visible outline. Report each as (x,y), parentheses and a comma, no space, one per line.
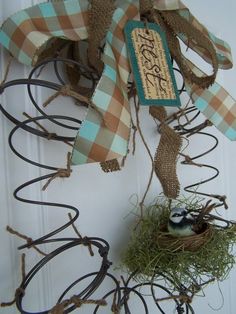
(104,200)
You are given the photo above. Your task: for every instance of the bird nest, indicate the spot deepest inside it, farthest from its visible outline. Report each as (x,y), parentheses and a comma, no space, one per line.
(153,251)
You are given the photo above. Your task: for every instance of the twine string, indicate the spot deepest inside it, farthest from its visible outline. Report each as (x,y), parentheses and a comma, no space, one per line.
(7,70)
(85,243)
(139,130)
(28,240)
(49,134)
(77,302)
(61,173)
(19,291)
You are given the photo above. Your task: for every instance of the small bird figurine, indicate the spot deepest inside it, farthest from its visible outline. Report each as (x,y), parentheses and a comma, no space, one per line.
(181,222)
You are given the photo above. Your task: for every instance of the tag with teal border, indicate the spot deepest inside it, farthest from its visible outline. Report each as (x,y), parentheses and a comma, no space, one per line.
(151,64)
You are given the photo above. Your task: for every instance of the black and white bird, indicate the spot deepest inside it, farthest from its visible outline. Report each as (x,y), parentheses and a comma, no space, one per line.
(181,222)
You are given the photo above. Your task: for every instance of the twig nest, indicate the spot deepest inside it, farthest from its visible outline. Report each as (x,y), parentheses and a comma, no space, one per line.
(152,250)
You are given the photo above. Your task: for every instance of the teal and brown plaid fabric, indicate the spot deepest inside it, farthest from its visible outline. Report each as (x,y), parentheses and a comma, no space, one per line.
(216,104)
(222,48)
(108,139)
(28,32)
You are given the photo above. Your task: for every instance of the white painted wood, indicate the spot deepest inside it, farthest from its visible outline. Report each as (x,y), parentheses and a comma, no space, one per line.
(15,173)
(103,199)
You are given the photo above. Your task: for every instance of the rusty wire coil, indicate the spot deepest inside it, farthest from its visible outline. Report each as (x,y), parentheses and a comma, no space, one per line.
(121,293)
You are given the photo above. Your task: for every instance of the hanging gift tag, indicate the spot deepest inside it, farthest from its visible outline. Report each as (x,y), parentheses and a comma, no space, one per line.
(151,64)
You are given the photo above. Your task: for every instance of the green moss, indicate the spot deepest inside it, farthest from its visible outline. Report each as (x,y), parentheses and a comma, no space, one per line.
(214,259)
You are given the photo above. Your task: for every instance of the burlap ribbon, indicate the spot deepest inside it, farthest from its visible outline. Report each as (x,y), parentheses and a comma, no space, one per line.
(173,23)
(166,154)
(27,33)
(100,16)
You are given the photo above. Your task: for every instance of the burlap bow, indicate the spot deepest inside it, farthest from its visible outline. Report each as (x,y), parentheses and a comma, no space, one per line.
(27,33)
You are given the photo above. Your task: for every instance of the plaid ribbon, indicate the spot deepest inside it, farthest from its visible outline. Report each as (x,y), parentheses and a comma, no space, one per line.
(223,50)
(27,33)
(216,104)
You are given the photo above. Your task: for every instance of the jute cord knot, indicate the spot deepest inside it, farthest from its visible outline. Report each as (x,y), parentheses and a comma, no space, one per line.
(59,308)
(19,291)
(65,90)
(61,173)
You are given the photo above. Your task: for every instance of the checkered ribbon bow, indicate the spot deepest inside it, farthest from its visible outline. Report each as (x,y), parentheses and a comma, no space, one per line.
(27,33)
